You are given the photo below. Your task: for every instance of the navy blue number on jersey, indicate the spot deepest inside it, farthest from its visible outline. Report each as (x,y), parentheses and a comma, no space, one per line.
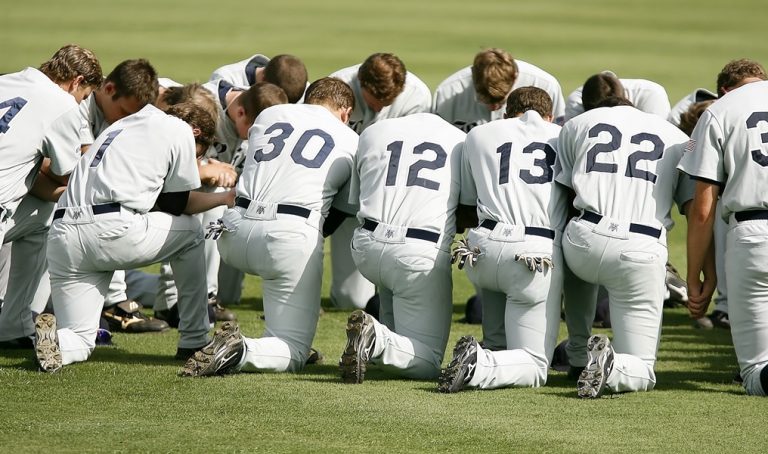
(396,148)
(103,148)
(317,136)
(14,105)
(632,170)
(545,164)
(757,155)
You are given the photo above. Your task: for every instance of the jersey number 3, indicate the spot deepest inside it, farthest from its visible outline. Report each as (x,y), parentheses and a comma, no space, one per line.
(14,105)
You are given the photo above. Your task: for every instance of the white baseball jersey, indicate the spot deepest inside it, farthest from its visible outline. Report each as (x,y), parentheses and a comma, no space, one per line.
(410,182)
(698,95)
(728,148)
(165,82)
(622,163)
(456,102)
(508,170)
(158,147)
(37,120)
(242,73)
(227,141)
(92,120)
(299,154)
(647,96)
(415,98)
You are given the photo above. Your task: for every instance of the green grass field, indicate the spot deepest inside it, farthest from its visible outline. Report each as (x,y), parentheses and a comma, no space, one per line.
(128,398)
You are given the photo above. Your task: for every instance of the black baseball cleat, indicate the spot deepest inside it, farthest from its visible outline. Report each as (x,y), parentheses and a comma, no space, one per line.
(220,356)
(461,368)
(126,317)
(361,339)
(315,357)
(47,350)
(220,313)
(720,319)
(592,381)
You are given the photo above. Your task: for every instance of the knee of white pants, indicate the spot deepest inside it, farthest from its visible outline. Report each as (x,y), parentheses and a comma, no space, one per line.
(75,346)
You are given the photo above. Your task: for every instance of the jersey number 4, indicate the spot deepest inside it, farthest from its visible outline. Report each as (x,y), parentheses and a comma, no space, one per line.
(14,105)
(103,148)
(632,170)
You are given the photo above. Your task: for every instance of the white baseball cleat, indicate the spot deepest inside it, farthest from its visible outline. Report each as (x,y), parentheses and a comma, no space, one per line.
(677,287)
(220,356)
(361,339)
(461,368)
(592,381)
(47,348)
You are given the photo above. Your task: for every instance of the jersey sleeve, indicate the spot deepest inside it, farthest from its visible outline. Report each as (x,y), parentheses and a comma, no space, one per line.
(686,188)
(565,157)
(702,158)
(574,106)
(62,142)
(353,197)
(468,194)
(182,173)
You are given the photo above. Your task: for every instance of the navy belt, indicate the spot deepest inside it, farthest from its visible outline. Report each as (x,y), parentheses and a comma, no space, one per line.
(753,215)
(536,231)
(244,202)
(635,228)
(113,207)
(419,234)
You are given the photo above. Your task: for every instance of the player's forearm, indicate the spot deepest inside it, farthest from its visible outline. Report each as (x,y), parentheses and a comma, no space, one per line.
(199,202)
(46,188)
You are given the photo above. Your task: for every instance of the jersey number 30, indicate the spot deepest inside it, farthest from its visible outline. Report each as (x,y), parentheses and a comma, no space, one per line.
(278,143)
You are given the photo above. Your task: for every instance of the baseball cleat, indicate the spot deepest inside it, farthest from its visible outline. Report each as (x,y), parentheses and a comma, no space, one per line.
(220,356)
(678,288)
(127,317)
(592,381)
(703,323)
(461,368)
(719,319)
(47,343)
(361,338)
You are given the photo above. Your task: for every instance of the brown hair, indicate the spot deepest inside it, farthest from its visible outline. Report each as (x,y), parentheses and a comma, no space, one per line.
(613,101)
(383,75)
(260,96)
(735,72)
(330,92)
(494,72)
(529,98)
(690,117)
(194,93)
(71,61)
(288,73)
(599,87)
(134,78)
(197,117)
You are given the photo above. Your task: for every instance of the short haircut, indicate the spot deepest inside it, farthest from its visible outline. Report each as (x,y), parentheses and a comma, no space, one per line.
(135,78)
(383,75)
(690,117)
(524,99)
(71,61)
(613,101)
(736,71)
(197,117)
(194,93)
(260,96)
(289,73)
(494,72)
(330,92)
(599,87)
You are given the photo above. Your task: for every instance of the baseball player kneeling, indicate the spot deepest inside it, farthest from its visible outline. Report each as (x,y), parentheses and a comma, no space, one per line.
(407,179)
(104,223)
(514,255)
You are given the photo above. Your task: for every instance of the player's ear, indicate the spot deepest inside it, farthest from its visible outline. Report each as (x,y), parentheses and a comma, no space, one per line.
(74,84)
(344,114)
(110,89)
(196,132)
